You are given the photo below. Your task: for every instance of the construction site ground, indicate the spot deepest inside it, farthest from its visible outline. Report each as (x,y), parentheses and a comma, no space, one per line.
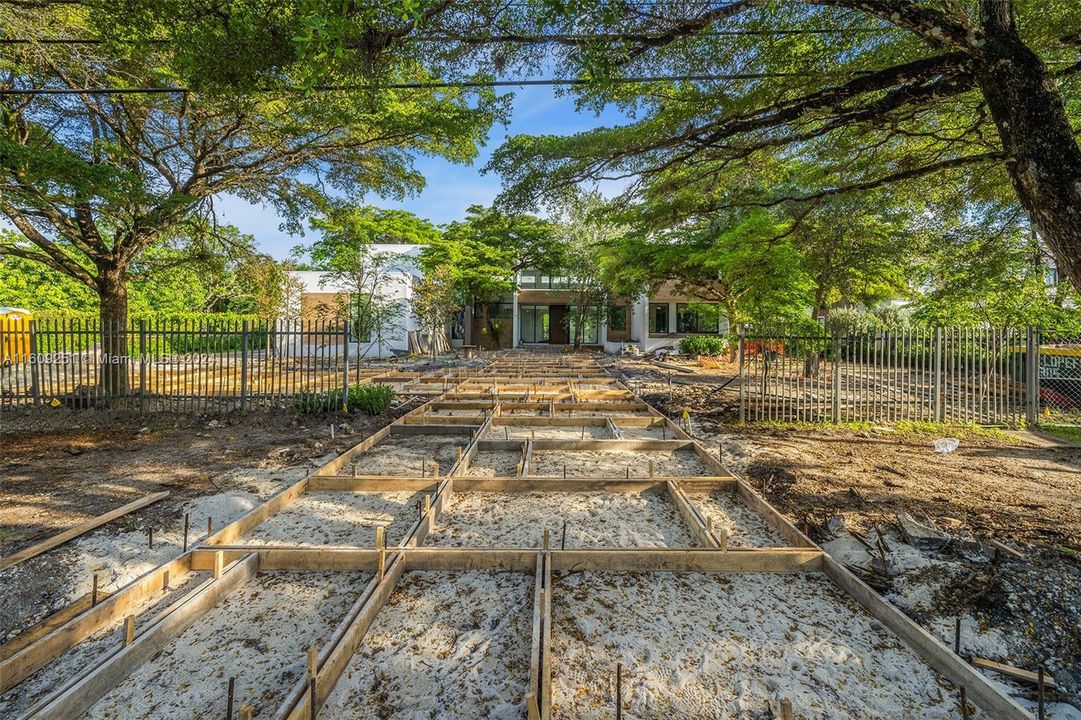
(845,487)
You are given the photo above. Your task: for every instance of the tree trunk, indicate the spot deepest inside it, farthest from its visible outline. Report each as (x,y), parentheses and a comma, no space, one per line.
(113,313)
(1045,164)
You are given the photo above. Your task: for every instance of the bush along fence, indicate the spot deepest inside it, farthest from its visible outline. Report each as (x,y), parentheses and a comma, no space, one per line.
(186,365)
(963,375)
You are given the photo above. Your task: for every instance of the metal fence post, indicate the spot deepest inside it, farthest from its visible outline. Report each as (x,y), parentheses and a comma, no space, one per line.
(939,401)
(243,365)
(742,380)
(35,366)
(345,368)
(142,366)
(1032,377)
(836,377)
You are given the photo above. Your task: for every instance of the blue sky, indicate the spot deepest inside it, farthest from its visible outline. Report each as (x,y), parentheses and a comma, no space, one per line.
(450,188)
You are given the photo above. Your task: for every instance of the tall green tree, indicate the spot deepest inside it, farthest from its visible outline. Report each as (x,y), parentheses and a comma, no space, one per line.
(92,181)
(483,253)
(871,94)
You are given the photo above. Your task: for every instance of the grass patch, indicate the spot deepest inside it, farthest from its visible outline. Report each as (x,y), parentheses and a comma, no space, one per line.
(903,428)
(1066,432)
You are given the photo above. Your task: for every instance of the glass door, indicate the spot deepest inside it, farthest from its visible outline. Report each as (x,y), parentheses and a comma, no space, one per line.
(534,323)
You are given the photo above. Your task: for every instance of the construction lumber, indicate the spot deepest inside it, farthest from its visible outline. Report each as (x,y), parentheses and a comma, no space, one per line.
(258,515)
(111,610)
(980,690)
(673,366)
(694,521)
(81,529)
(772,560)
(1014,672)
(772,516)
(52,622)
(75,698)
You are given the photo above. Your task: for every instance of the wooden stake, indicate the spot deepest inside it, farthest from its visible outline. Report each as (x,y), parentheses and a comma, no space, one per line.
(380,537)
(786,709)
(424,468)
(186,526)
(1039,693)
(229,699)
(382,563)
(219,563)
(354,469)
(165,581)
(650,470)
(546,536)
(532,713)
(619,691)
(129,630)
(427,504)
(532,434)
(313,661)
(518,472)
(435,469)
(722,539)
(245,712)
(459,456)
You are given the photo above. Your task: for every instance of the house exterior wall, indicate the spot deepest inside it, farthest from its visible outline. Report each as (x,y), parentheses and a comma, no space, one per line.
(317,299)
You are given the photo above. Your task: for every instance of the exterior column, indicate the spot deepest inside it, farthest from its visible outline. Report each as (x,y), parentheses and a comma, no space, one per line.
(514,318)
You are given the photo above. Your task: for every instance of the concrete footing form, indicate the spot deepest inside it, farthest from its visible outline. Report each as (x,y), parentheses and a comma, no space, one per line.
(535,542)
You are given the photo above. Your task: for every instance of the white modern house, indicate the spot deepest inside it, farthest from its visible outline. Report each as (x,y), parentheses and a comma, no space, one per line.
(314,295)
(540,312)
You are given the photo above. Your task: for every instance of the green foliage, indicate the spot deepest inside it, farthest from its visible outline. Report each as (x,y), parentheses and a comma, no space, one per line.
(370,399)
(313,403)
(696,345)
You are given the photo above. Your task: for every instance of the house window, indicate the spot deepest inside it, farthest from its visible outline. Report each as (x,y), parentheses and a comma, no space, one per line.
(658,317)
(617,318)
(697,318)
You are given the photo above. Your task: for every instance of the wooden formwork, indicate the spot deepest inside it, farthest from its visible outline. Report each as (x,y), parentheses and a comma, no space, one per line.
(547,385)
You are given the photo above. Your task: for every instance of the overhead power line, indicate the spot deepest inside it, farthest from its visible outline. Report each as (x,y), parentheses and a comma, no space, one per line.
(436,85)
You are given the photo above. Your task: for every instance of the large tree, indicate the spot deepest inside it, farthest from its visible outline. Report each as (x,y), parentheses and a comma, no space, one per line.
(869,92)
(91,181)
(482,254)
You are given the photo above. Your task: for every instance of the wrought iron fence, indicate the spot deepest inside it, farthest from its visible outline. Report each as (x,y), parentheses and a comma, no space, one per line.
(964,375)
(181,365)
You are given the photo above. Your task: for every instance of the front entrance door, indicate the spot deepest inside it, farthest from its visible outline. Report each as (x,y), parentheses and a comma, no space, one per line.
(533,322)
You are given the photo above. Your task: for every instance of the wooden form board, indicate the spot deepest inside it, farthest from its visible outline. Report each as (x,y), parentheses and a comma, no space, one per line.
(81,529)
(412,555)
(72,700)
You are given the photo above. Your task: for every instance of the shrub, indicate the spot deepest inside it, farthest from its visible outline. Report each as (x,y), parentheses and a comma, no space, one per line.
(702,345)
(313,403)
(370,399)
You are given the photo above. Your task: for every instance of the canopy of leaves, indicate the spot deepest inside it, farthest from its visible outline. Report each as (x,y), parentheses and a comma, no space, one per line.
(483,252)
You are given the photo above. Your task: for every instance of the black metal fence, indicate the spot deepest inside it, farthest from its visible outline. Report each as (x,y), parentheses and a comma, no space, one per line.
(183,365)
(964,375)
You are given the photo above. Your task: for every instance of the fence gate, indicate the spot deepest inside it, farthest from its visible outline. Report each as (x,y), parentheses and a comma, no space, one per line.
(1059,377)
(962,375)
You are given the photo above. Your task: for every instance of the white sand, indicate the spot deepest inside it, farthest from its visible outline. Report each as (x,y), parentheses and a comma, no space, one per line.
(745,527)
(447,645)
(726,646)
(53,675)
(615,463)
(259,634)
(494,463)
(407,455)
(649,432)
(549,432)
(594,519)
(339,518)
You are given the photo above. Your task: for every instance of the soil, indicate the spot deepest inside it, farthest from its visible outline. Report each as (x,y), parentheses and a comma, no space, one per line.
(721,646)
(845,485)
(593,519)
(447,645)
(59,468)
